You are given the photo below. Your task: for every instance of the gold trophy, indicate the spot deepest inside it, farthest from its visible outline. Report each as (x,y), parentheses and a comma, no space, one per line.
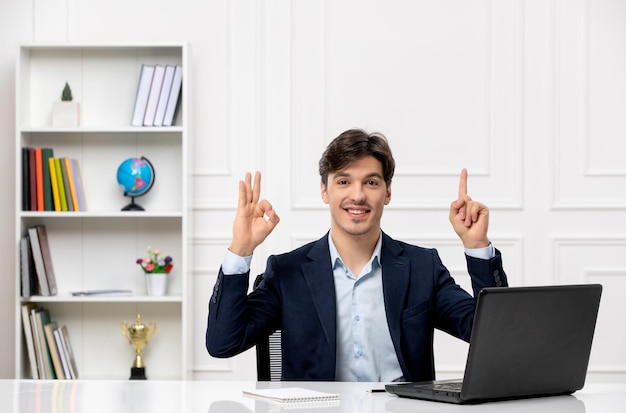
(138,335)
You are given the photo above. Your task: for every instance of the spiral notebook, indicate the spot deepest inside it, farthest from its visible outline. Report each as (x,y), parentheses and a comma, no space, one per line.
(292,395)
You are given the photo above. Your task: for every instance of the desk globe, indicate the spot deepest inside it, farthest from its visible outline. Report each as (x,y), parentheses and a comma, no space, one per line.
(136,176)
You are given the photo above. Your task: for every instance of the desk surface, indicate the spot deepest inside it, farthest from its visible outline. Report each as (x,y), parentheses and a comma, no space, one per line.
(96,396)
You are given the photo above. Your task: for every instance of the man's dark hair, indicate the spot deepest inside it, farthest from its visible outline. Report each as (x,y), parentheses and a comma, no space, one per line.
(353,145)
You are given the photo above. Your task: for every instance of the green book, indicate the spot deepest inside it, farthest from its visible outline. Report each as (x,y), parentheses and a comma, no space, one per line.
(43,318)
(61,185)
(48,204)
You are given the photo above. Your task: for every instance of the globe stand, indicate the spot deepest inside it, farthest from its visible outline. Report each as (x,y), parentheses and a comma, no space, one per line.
(133,206)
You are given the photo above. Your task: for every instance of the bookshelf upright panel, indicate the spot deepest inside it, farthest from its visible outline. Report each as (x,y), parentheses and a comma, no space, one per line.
(96,248)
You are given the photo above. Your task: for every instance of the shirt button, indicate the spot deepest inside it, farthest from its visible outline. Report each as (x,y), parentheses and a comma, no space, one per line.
(357,318)
(359,353)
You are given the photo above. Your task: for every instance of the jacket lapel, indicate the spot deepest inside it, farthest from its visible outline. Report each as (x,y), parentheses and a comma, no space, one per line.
(318,275)
(396,275)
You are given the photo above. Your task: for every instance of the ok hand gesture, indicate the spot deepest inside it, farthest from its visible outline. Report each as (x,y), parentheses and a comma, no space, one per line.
(254,220)
(470,219)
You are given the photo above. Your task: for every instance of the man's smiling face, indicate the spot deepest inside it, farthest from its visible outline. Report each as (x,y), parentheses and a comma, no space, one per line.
(357,195)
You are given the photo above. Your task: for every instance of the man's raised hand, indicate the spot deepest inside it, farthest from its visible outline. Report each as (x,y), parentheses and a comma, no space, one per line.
(255,219)
(470,219)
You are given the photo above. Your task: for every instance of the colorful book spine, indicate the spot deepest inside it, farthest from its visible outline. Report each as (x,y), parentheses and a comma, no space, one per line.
(66,186)
(71,179)
(61,185)
(56,200)
(25,179)
(48,204)
(32,179)
(39,179)
(78,181)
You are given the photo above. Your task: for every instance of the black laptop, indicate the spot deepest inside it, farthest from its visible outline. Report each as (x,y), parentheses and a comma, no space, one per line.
(526,342)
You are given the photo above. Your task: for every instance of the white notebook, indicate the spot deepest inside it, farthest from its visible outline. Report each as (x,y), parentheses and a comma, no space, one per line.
(292,395)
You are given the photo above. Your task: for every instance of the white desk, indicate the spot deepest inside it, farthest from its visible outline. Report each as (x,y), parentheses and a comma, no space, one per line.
(217,397)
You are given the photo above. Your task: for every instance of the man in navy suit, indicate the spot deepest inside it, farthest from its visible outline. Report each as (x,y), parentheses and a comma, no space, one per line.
(355,305)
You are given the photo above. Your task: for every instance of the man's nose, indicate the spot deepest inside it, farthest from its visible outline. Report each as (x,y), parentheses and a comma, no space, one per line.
(358,195)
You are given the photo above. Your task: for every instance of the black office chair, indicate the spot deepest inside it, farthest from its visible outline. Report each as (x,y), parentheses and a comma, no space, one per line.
(268,352)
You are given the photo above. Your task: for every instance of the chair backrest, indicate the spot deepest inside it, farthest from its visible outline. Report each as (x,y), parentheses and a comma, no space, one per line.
(268,353)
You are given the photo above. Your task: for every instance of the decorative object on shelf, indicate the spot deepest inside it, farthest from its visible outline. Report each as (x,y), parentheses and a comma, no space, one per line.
(136,176)
(156,269)
(156,284)
(66,113)
(138,335)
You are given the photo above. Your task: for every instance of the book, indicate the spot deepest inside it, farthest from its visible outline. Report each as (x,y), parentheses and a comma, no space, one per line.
(39,178)
(60,184)
(25,256)
(64,361)
(28,338)
(42,318)
(143,91)
(54,350)
(32,182)
(28,278)
(56,200)
(78,181)
(166,86)
(72,183)
(292,395)
(47,258)
(46,153)
(32,318)
(102,293)
(25,179)
(66,185)
(69,353)
(153,97)
(174,97)
(40,268)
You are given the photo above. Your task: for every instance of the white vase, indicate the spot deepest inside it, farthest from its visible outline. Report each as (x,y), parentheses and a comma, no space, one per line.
(156,283)
(65,114)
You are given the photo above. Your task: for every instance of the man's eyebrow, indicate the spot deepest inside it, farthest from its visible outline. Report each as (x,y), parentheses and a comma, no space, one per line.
(370,175)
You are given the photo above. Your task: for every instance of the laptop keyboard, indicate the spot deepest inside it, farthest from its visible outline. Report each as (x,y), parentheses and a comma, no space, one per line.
(454,386)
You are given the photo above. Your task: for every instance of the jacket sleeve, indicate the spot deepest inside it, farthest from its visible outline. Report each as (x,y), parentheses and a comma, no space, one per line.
(236,320)
(455,307)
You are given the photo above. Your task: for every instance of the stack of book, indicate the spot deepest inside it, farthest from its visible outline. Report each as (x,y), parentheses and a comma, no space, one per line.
(158,95)
(50,353)
(49,183)
(37,271)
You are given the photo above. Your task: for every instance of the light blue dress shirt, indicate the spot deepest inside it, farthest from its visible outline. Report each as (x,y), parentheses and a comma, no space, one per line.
(365,351)
(364,348)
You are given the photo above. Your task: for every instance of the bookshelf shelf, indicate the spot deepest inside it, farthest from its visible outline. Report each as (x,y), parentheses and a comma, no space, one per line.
(101,214)
(97,248)
(69,299)
(105,130)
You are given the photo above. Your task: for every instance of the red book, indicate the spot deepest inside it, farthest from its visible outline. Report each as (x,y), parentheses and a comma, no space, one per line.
(33,179)
(39,172)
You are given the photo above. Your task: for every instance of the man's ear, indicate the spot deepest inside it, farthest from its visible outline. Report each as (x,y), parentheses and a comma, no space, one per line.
(324,192)
(388,198)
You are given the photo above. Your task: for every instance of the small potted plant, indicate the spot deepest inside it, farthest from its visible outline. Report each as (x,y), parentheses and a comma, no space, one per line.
(156,267)
(66,113)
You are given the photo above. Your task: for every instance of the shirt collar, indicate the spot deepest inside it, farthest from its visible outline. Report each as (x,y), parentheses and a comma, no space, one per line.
(335,258)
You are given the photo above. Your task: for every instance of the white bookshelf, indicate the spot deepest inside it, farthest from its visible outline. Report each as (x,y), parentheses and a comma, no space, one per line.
(97,248)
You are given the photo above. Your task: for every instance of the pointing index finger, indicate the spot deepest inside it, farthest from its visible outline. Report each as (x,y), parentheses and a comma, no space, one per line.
(463,184)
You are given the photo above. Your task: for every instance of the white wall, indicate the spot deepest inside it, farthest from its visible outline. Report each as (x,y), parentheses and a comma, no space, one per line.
(527,94)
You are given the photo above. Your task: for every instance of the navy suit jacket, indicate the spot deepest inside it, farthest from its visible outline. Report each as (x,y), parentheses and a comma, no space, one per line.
(297,296)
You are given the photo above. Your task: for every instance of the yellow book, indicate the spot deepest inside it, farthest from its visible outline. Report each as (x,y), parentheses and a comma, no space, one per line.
(55,185)
(72,183)
(61,186)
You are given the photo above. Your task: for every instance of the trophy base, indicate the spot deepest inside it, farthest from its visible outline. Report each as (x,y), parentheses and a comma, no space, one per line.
(137,373)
